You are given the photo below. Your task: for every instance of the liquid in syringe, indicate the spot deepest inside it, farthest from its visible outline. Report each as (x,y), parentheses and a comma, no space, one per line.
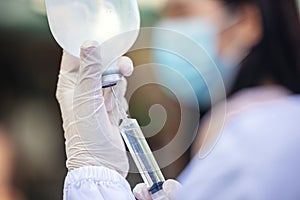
(141,154)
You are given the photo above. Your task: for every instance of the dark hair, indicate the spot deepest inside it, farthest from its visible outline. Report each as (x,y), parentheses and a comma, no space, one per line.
(277,55)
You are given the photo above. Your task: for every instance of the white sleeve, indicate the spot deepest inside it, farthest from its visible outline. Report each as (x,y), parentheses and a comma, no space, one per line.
(96,183)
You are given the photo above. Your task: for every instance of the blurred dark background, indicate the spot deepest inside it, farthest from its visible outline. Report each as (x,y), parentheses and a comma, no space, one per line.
(30,59)
(29,66)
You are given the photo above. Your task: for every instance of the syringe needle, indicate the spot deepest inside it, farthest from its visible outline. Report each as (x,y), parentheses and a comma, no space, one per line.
(120,108)
(114,93)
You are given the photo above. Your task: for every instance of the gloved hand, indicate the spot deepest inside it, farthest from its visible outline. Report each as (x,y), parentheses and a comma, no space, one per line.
(90,116)
(170,187)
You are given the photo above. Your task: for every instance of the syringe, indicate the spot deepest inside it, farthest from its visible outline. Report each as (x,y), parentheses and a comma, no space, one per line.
(142,155)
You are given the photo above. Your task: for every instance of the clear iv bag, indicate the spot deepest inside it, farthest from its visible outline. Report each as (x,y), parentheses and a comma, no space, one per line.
(72,22)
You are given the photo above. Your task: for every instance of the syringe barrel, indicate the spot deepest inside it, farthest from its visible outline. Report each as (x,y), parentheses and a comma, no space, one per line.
(141,153)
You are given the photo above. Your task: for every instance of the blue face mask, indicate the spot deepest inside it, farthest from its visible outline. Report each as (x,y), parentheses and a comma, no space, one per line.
(200,69)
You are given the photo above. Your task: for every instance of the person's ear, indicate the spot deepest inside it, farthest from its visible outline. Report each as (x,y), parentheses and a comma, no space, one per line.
(245,33)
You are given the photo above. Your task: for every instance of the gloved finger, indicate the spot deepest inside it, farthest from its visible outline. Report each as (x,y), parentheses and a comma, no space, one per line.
(69,63)
(88,94)
(125,66)
(124,103)
(170,187)
(141,192)
(108,99)
(91,69)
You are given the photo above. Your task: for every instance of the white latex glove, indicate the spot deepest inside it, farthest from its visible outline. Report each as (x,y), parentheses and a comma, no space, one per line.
(90,116)
(170,187)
